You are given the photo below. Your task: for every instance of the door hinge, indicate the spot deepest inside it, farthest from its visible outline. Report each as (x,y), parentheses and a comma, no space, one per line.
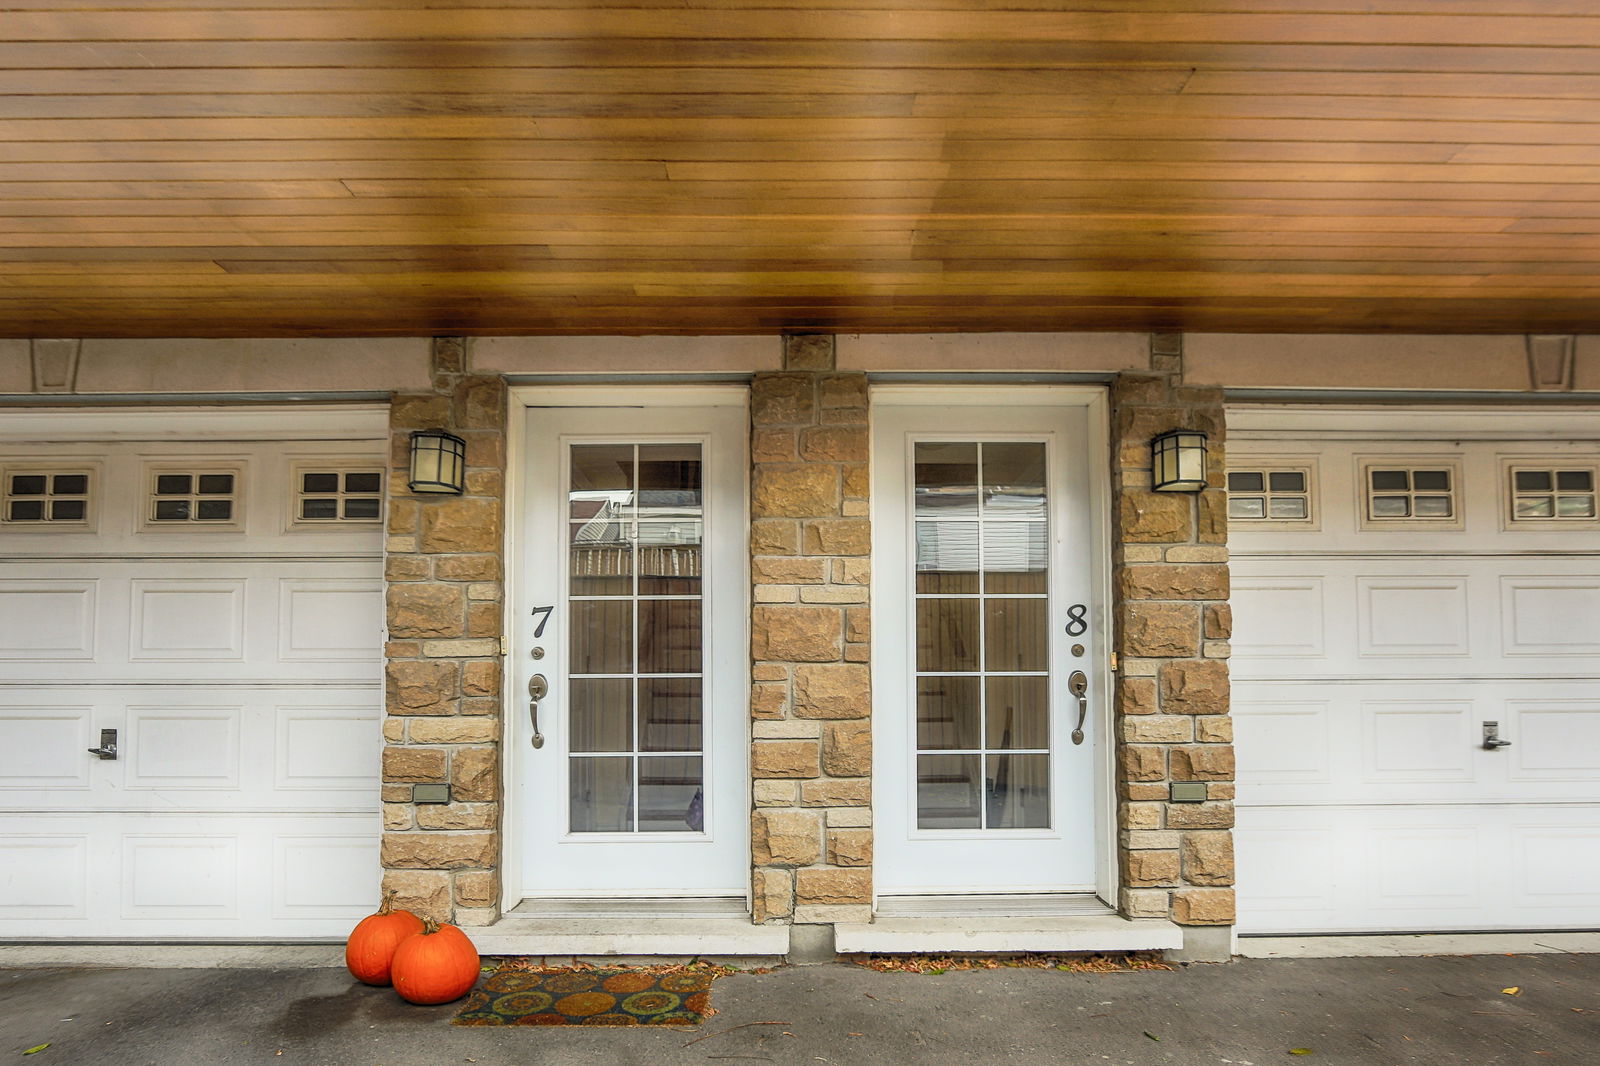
(1113,660)
(504,649)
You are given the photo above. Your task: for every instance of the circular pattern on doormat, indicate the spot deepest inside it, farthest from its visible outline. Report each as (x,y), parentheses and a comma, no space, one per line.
(590,997)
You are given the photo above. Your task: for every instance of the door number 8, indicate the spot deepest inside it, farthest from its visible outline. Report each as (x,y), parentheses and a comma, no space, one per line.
(1077,626)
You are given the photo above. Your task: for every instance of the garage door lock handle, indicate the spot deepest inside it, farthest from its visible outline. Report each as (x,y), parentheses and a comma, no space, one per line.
(1491,737)
(108,745)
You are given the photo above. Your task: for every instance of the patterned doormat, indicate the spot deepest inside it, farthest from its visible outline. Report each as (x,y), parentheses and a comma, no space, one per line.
(591,997)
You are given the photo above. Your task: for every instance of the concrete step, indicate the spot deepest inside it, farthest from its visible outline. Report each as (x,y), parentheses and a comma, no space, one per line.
(974,934)
(733,937)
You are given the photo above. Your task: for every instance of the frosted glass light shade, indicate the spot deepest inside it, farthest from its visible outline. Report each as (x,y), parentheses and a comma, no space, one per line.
(1178,461)
(438,462)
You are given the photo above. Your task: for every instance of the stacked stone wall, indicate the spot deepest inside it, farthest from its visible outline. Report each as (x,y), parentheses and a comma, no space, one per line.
(442,677)
(1173,623)
(811,690)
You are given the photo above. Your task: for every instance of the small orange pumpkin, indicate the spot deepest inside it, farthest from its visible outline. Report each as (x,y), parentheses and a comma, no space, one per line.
(437,965)
(370,949)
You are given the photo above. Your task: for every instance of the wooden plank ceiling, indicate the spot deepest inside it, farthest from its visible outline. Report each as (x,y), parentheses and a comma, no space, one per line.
(283,167)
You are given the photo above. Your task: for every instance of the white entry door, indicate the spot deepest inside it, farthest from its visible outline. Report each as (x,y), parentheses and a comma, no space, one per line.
(988,622)
(633,570)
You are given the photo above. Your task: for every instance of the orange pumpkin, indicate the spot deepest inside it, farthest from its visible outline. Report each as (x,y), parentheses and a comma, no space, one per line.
(370,948)
(437,965)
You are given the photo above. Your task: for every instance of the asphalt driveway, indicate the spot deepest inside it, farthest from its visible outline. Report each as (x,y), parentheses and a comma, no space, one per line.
(1440,1010)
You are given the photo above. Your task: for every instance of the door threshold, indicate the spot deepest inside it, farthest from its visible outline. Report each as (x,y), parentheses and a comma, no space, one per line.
(991,904)
(1007,935)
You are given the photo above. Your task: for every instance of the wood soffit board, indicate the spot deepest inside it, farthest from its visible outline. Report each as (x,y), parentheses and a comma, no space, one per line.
(357,167)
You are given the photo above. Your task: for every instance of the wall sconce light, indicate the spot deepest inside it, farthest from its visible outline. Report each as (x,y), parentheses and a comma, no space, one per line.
(1178,461)
(438,462)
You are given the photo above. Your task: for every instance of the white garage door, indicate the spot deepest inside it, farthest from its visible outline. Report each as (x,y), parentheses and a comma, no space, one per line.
(1400,579)
(207,585)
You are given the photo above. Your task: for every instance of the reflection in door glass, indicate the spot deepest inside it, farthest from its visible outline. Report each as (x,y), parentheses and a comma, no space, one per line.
(982,635)
(635,639)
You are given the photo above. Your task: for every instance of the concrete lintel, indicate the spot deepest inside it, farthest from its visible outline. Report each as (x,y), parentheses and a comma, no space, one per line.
(1097,932)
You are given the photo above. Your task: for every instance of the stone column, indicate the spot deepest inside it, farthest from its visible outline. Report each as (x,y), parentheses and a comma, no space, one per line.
(1172,620)
(443,570)
(811,693)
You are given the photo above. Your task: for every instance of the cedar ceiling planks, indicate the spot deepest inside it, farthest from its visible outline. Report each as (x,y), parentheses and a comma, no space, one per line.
(282,167)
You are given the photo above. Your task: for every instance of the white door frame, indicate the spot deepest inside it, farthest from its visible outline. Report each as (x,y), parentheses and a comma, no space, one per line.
(515,729)
(1095,403)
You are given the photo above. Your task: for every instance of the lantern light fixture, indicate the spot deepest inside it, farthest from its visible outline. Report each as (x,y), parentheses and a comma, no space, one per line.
(438,462)
(1178,461)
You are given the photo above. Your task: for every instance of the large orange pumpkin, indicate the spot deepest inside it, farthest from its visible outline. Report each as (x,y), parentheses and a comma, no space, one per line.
(370,948)
(437,965)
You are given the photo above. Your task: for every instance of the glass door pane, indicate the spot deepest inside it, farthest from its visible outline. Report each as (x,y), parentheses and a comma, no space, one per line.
(636,516)
(982,635)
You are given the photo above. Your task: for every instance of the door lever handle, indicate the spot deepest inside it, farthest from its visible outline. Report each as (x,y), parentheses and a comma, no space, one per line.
(1078,685)
(538,689)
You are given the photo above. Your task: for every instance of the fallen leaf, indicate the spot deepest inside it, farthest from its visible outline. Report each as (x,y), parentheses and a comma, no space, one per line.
(1300,1051)
(1152,1036)
(1514,990)
(36,1050)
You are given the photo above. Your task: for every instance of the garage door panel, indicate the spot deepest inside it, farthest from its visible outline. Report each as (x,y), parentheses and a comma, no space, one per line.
(1551,616)
(221,621)
(1283,738)
(180,875)
(327,746)
(44,875)
(1485,616)
(1558,740)
(48,619)
(1557,867)
(329,619)
(1427,865)
(43,743)
(137,874)
(172,746)
(212,748)
(1336,869)
(1415,741)
(323,877)
(1416,618)
(1278,616)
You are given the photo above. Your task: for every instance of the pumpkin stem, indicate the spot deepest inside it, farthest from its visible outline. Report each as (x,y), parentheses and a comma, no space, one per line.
(429,927)
(387,906)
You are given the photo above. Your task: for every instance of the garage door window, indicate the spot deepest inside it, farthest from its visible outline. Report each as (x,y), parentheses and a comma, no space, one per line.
(1270,494)
(193,496)
(1548,493)
(328,494)
(1421,494)
(53,496)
